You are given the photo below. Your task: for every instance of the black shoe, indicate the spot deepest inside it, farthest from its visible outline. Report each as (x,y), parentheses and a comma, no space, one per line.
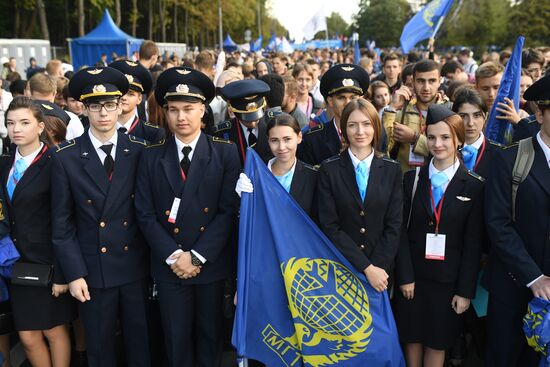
(79,359)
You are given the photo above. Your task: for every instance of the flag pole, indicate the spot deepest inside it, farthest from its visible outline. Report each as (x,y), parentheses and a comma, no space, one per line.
(437,26)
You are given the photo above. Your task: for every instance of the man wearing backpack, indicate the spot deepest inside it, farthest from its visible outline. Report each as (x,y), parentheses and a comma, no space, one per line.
(518,220)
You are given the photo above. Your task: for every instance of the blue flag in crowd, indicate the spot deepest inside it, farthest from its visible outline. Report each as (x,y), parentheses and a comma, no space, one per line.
(272,44)
(300,302)
(256,45)
(423,24)
(501,131)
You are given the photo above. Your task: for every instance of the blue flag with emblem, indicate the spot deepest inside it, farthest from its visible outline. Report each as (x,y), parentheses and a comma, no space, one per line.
(501,131)
(300,303)
(424,23)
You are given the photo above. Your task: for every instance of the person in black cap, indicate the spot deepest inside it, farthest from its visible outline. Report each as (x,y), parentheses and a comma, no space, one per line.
(247,102)
(441,242)
(518,268)
(140,82)
(95,233)
(187,210)
(339,85)
(40,313)
(55,121)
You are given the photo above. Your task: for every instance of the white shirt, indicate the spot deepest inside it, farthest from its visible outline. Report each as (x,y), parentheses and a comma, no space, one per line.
(180,145)
(449,171)
(477,144)
(127,125)
(28,159)
(97,146)
(272,160)
(545,149)
(356,161)
(75,127)
(246,132)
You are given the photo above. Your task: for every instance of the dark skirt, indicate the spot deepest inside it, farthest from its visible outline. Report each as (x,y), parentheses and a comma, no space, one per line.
(35,308)
(428,318)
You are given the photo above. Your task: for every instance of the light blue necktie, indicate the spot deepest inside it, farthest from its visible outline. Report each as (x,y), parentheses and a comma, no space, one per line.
(438,180)
(362,177)
(286,180)
(469,154)
(18,171)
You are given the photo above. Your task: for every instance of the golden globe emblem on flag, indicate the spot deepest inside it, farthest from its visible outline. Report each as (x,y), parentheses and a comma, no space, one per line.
(329,306)
(430,12)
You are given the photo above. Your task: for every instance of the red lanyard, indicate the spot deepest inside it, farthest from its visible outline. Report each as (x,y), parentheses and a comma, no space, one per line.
(183,177)
(38,156)
(241,143)
(132,127)
(338,131)
(480,154)
(437,211)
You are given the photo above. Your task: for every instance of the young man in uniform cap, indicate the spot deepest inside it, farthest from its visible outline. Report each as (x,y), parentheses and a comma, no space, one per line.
(187,208)
(339,85)
(519,264)
(247,101)
(140,82)
(95,234)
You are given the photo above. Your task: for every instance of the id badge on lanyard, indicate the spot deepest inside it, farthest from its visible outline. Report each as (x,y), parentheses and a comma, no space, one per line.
(435,242)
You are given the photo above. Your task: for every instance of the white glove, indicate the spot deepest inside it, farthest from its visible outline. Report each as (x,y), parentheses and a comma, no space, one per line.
(244,185)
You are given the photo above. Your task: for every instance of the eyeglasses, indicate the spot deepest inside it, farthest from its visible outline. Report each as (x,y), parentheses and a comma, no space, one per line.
(96,107)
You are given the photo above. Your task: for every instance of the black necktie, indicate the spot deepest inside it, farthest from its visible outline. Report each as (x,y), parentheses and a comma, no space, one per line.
(122,129)
(109,162)
(251,138)
(185,162)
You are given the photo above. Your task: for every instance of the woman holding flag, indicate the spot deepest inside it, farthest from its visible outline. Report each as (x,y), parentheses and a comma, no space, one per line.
(441,242)
(360,196)
(298,178)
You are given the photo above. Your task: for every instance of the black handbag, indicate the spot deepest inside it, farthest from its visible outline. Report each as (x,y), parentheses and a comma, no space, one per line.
(35,275)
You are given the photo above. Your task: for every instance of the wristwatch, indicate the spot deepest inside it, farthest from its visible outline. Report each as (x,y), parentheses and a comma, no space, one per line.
(195,260)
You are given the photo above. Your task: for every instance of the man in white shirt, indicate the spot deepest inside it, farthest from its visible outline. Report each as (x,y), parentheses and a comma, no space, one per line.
(94,230)
(519,263)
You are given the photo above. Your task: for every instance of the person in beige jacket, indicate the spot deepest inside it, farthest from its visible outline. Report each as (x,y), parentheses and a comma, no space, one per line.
(404,118)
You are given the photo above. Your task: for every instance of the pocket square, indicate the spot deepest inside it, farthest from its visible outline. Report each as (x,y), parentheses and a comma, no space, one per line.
(463,198)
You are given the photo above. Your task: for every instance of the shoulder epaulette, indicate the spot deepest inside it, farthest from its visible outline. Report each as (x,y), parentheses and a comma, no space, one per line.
(313,168)
(513,145)
(496,144)
(65,145)
(5,155)
(531,119)
(315,129)
(475,175)
(215,139)
(331,159)
(135,139)
(157,144)
(222,126)
(151,125)
(387,159)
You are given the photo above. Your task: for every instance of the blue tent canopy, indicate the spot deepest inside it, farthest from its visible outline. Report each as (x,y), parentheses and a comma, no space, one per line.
(103,39)
(228,44)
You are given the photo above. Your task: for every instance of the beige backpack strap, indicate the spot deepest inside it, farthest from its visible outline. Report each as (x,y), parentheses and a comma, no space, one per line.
(522,165)
(415,184)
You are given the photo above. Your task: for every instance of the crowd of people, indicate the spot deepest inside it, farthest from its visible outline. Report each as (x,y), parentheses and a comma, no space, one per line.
(122,183)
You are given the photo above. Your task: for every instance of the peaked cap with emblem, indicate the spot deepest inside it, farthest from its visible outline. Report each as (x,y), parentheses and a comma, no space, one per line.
(184,84)
(437,113)
(344,78)
(139,78)
(96,83)
(51,109)
(246,98)
(539,92)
